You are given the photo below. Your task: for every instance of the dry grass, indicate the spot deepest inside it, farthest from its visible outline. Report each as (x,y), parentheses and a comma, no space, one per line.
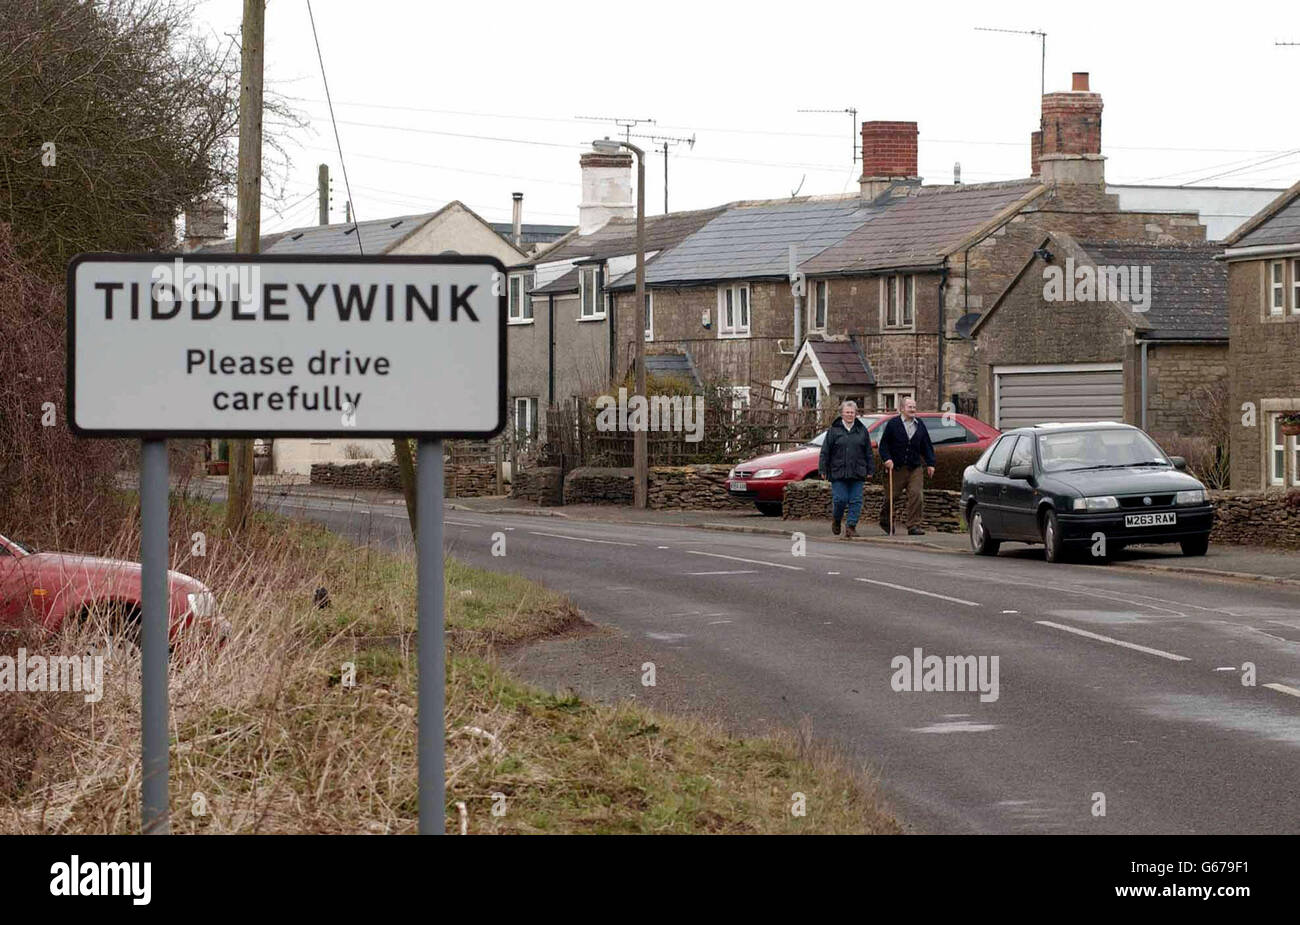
(266,738)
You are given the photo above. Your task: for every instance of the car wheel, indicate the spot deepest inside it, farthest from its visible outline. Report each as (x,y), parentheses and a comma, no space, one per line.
(769,508)
(981,543)
(1196,546)
(114,629)
(1052,542)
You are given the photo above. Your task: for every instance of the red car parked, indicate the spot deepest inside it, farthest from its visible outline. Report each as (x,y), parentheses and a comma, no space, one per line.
(763,480)
(50,587)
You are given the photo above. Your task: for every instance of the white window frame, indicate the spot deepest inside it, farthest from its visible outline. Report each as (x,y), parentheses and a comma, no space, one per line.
(898,394)
(1275,288)
(588,278)
(1273,435)
(529,403)
(649,314)
(808,384)
(516,310)
(821,300)
(1295,285)
(898,292)
(738,325)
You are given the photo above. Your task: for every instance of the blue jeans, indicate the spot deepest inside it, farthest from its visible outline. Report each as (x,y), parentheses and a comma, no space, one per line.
(846,493)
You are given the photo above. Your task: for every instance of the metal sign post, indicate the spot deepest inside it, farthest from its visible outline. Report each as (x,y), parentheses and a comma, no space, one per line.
(429,642)
(154,619)
(291,345)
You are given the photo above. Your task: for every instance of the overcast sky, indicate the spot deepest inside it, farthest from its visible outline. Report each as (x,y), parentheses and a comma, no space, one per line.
(1192,92)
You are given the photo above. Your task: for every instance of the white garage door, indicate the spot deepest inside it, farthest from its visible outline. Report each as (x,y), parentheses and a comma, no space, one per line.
(1081,392)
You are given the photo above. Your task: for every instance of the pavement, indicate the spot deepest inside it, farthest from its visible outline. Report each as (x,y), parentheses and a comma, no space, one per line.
(1104,698)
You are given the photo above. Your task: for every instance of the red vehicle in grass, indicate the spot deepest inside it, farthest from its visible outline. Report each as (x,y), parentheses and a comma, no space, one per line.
(48,588)
(763,479)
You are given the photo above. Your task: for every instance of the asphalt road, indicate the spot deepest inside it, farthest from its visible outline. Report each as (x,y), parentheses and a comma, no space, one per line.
(1110,681)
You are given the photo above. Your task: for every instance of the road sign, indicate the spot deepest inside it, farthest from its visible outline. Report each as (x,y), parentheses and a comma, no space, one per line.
(291,345)
(174,345)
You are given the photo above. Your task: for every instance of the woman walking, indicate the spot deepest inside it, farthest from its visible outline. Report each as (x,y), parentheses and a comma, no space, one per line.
(846,460)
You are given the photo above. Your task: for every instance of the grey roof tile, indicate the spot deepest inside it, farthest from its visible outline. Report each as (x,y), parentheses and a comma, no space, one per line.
(1282,228)
(377,236)
(1189,288)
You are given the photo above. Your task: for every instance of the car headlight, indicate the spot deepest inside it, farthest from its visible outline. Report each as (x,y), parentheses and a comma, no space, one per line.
(1194,496)
(203,604)
(732,473)
(767,473)
(1099,503)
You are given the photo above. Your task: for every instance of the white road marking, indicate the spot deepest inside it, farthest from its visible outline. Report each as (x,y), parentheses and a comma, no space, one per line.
(832,573)
(455,523)
(718,555)
(719,622)
(748,571)
(955,600)
(663,547)
(622,588)
(958,726)
(580,539)
(1119,642)
(1283,688)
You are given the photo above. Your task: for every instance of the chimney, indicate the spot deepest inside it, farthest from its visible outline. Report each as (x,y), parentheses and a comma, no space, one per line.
(1070,149)
(204,223)
(1035,151)
(956,174)
(888,155)
(606,189)
(517,221)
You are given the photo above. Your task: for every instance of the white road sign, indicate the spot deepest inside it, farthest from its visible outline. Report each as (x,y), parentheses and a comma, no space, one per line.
(179,345)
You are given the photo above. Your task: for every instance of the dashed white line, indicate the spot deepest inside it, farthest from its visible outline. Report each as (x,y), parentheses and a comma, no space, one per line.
(748,571)
(1118,642)
(1283,689)
(580,539)
(955,600)
(718,555)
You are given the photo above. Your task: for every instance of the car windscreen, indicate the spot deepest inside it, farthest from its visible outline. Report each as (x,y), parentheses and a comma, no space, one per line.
(1098,449)
(817,440)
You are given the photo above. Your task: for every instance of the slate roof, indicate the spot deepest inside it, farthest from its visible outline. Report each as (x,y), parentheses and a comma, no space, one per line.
(1283,227)
(1189,288)
(228,246)
(672,366)
(842,363)
(617,238)
(920,229)
(377,237)
(531,234)
(749,241)
(568,282)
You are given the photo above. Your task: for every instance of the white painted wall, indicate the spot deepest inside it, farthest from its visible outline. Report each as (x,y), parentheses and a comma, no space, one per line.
(296,456)
(1222,209)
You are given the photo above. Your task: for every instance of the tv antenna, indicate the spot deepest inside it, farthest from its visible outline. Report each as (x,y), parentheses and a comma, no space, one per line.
(853,127)
(624,123)
(1042,36)
(665,142)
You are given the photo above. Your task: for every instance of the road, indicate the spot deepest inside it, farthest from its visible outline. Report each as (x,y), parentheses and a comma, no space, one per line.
(1111,682)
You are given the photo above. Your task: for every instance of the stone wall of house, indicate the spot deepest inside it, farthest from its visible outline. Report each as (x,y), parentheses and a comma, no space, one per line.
(1264,370)
(543,485)
(1255,518)
(1181,384)
(811,500)
(701,487)
(460,480)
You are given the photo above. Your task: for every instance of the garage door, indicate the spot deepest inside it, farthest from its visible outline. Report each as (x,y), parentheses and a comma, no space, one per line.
(1032,395)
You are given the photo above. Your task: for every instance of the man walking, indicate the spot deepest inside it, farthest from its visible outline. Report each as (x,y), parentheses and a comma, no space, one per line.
(904,446)
(846,461)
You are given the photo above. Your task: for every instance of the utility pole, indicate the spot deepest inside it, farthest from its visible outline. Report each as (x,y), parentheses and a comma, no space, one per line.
(239,485)
(664,141)
(323,192)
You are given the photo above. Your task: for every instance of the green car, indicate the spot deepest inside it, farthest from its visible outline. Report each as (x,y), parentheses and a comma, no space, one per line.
(1075,487)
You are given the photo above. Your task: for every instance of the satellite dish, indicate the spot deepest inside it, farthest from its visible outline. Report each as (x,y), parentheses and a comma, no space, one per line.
(965,323)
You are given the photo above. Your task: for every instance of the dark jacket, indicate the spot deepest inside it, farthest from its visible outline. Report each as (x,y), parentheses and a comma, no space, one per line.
(846,453)
(895,445)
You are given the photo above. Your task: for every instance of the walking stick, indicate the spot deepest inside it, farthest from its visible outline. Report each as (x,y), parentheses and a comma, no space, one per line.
(891,502)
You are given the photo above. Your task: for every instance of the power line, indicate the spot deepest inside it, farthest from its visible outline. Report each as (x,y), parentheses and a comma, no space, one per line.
(342,163)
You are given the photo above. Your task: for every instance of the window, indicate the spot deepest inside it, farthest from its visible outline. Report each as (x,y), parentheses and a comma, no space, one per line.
(821,296)
(997,460)
(649,316)
(525,419)
(1295,287)
(898,301)
(733,311)
(589,294)
(521,303)
(809,393)
(892,399)
(1276,287)
(1276,451)
(941,433)
(1023,455)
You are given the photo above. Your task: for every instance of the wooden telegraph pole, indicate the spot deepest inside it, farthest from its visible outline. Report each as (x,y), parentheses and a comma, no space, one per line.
(248,186)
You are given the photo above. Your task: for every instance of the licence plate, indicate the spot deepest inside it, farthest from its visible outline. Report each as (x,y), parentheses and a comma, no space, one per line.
(1150,520)
(737,486)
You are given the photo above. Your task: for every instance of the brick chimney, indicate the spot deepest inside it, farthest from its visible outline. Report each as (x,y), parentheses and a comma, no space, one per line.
(1035,151)
(1071,136)
(606,189)
(204,223)
(888,155)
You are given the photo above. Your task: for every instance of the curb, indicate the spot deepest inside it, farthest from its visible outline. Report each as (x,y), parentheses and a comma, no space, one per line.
(1210,572)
